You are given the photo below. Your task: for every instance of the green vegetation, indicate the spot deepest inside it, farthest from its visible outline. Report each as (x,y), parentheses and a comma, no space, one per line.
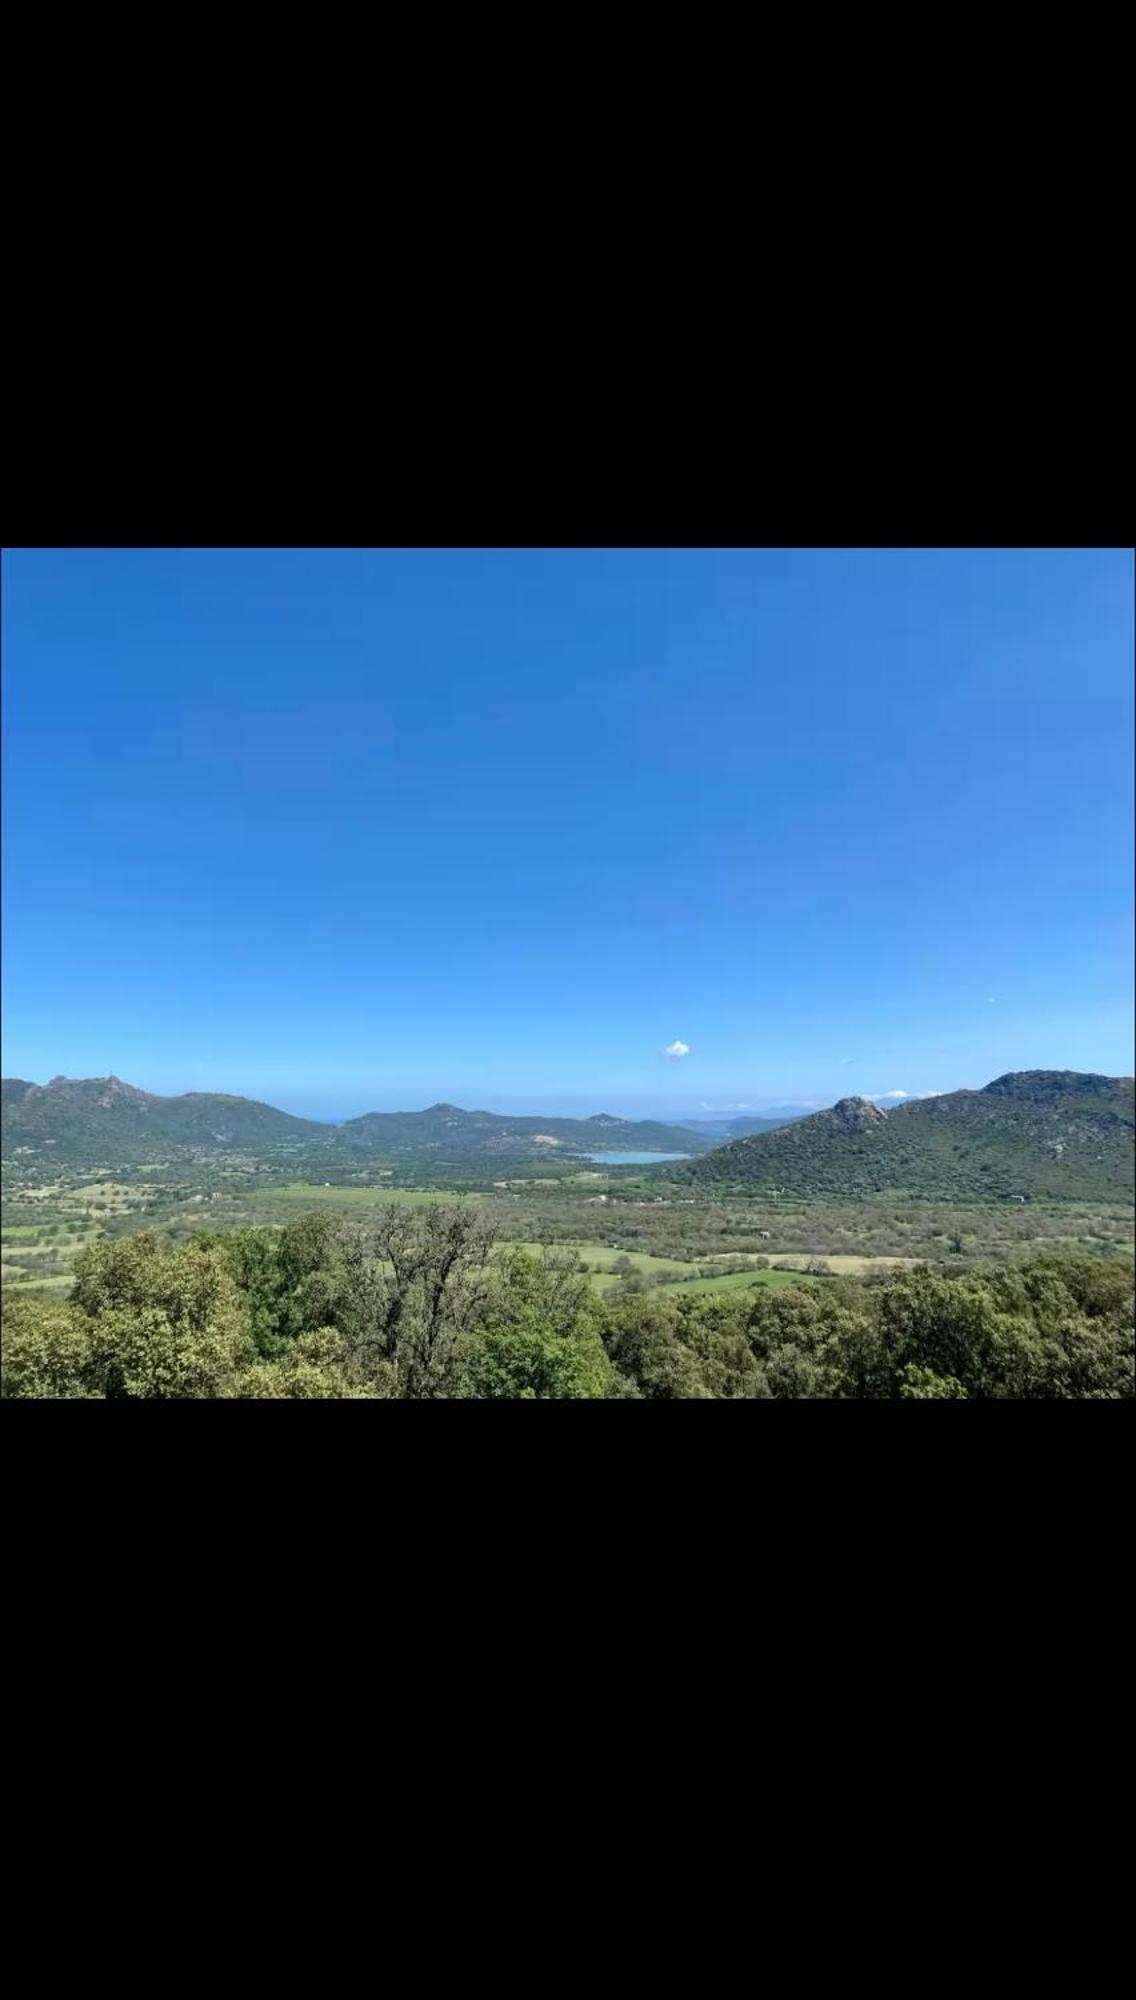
(301,1194)
(96,1120)
(93,1121)
(419,1303)
(44,1226)
(285,1268)
(448,1133)
(1049,1135)
(730,1281)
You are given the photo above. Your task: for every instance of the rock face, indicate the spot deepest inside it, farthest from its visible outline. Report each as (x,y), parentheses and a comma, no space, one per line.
(858,1114)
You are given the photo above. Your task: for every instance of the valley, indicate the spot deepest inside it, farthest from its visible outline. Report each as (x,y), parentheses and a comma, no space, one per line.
(844,1205)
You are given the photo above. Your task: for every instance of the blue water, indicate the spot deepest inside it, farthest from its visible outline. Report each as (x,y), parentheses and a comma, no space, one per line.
(634,1159)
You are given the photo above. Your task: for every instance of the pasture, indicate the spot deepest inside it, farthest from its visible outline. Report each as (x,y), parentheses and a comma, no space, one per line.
(730,1281)
(300,1197)
(840,1263)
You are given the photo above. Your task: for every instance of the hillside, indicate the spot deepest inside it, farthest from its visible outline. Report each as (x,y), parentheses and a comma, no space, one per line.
(1040,1134)
(102,1121)
(446,1132)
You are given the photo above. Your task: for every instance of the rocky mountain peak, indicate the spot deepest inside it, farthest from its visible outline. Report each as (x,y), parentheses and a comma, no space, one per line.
(857,1113)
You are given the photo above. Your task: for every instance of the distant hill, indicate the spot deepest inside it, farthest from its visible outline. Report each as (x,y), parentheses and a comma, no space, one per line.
(446,1132)
(98,1121)
(740,1128)
(1041,1134)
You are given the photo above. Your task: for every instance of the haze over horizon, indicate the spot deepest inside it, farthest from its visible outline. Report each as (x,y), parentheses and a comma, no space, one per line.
(553,1103)
(348,831)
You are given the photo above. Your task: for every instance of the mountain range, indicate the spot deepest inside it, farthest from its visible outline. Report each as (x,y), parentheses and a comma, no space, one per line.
(82,1121)
(445,1131)
(103,1120)
(1032,1134)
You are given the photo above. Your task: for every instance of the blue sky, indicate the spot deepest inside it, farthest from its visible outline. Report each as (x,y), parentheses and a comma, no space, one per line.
(353,830)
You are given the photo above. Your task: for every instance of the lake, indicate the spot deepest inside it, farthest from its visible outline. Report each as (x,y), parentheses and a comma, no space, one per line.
(634,1159)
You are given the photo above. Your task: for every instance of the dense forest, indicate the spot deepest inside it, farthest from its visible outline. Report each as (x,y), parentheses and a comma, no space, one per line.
(421,1303)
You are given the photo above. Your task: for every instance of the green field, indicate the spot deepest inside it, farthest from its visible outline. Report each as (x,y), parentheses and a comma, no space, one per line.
(601,1262)
(840,1263)
(731,1280)
(603,1257)
(299,1194)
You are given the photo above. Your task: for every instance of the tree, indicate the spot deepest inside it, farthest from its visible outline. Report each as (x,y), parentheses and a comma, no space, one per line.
(295,1280)
(641,1339)
(922,1383)
(313,1366)
(538,1336)
(413,1301)
(46,1351)
(160,1323)
(419,1305)
(523,1362)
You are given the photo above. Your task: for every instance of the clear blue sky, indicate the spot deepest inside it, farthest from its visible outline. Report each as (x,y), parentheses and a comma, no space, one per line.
(348,829)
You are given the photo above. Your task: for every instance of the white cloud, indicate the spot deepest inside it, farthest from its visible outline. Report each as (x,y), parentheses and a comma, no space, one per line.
(912,1096)
(989,999)
(676,1050)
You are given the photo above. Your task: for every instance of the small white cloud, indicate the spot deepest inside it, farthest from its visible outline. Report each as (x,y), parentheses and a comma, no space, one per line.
(884,1096)
(676,1050)
(989,999)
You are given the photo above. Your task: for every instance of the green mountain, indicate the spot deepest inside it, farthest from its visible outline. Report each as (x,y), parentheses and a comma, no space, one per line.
(100,1120)
(1039,1134)
(13,1091)
(446,1132)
